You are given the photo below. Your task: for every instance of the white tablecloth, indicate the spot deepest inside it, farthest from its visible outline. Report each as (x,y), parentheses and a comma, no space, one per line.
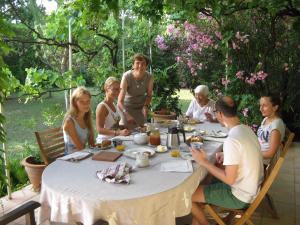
(71,192)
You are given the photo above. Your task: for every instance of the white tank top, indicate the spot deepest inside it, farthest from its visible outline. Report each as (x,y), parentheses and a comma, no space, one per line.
(111,121)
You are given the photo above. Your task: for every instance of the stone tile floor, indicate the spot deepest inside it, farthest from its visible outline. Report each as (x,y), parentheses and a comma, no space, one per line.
(285,191)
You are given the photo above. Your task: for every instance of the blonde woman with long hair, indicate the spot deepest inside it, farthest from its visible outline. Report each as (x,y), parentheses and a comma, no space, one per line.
(77,125)
(107,113)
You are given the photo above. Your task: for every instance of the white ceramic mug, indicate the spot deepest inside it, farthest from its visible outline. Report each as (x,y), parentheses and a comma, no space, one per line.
(142,159)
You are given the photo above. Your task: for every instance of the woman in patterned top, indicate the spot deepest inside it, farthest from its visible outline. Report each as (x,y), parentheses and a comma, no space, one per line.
(272,129)
(107,113)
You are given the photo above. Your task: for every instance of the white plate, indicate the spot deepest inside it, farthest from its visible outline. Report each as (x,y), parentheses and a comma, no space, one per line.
(163,149)
(217,135)
(186,155)
(133,151)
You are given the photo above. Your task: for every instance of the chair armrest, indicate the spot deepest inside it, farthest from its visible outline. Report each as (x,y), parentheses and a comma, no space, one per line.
(22,210)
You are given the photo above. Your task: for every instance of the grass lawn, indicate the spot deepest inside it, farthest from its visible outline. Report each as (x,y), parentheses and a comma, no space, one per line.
(38,115)
(23,119)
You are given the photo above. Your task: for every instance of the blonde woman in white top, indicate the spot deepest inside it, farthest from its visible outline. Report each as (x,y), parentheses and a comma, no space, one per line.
(107,114)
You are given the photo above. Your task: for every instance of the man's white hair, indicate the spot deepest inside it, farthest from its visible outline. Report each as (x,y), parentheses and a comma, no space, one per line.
(201,89)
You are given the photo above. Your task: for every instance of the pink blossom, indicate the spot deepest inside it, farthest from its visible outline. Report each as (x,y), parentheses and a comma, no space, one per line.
(161,43)
(178,59)
(225,81)
(261,75)
(254,127)
(240,74)
(218,35)
(245,112)
(170,28)
(190,63)
(235,46)
(250,80)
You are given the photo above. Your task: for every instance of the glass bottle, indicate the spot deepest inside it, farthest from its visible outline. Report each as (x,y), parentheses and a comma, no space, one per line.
(154,137)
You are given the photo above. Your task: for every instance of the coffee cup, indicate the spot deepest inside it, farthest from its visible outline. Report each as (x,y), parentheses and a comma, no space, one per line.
(196,145)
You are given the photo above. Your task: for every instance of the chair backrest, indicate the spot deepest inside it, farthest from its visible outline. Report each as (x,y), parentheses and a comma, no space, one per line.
(288,139)
(51,144)
(271,173)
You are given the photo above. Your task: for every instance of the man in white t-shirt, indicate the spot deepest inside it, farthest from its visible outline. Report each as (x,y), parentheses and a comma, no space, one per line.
(242,175)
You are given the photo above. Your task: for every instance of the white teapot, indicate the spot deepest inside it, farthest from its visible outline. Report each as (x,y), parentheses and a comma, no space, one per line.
(141,138)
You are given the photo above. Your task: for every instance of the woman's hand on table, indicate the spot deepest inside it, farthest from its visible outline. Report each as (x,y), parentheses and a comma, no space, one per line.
(124,132)
(199,155)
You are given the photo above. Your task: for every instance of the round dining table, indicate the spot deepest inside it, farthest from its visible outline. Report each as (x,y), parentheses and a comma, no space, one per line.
(71,192)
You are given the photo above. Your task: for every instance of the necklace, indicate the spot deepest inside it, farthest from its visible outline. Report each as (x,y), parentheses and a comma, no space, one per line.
(139,82)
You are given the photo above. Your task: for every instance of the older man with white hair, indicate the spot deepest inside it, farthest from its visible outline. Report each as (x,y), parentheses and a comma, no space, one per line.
(202,108)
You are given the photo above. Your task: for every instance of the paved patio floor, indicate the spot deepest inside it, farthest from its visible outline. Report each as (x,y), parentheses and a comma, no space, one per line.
(285,191)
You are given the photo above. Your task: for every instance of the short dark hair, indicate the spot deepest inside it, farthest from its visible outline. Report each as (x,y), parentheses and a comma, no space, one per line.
(141,57)
(227,106)
(274,99)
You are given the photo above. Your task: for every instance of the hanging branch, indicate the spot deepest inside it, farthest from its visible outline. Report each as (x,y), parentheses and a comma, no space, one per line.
(53,42)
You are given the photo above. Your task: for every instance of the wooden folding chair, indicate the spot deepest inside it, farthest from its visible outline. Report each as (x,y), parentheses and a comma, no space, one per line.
(26,209)
(51,144)
(270,175)
(270,206)
(289,137)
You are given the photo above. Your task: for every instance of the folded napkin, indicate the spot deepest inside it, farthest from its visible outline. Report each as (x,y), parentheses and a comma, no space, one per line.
(184,166)
(118,173)
(76,156)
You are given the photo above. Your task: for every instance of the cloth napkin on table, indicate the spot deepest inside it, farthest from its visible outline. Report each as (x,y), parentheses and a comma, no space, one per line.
(183,166)
(118,173)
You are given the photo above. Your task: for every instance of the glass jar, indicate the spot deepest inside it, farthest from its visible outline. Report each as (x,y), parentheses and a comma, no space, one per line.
(154,138)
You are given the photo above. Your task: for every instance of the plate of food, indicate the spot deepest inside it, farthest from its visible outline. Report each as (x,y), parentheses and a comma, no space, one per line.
(166,123)
(194,139)
(189,128)
(193,121)
(105,144)
(131,153)
(161,149)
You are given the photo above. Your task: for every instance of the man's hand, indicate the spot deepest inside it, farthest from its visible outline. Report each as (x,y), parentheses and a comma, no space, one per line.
(209,117)
(219,157)
(199,155)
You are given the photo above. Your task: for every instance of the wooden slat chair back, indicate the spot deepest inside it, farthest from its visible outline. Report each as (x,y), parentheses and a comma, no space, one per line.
(271,173)
(51,144)
(289,137)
